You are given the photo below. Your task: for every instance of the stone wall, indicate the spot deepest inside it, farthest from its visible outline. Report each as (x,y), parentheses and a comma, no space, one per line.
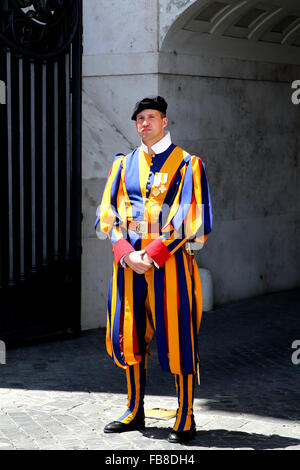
(119,67)
(247,134)
(237,115)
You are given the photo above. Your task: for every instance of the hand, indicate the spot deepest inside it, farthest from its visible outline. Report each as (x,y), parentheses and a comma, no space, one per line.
(138,261)
(147,258)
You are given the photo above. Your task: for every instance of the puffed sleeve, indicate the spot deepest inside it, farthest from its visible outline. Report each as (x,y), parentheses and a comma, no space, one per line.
(111,219)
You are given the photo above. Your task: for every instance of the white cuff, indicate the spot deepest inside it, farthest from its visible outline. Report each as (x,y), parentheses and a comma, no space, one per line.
(122,262)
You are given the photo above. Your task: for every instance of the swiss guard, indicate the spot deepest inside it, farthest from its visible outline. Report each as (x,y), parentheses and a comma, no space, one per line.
(155,203)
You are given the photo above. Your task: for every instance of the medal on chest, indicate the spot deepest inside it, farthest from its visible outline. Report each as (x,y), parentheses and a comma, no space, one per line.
(159,182)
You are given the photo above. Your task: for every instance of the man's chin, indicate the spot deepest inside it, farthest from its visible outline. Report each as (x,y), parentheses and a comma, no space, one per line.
(146,134)
(146,139)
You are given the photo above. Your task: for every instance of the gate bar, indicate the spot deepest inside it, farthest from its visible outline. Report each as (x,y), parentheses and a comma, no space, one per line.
(68,155)
(21,161)
(44,160)
(32,130)
(56,175)
(10,178)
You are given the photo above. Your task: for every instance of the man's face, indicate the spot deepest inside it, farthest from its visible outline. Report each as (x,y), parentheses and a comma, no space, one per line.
(150,125)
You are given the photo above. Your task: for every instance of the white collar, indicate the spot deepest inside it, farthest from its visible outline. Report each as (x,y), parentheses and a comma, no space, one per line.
(161,146)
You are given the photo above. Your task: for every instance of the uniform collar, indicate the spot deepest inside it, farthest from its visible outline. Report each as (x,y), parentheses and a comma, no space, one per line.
(160,146)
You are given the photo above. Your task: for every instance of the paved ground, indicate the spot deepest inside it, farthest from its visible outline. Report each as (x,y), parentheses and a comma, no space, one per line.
(60,394)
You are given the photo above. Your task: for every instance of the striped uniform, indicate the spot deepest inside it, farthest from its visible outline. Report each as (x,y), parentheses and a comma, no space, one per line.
(170,191)
(165,293)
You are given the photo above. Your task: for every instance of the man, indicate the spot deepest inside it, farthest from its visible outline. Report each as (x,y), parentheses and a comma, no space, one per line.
(155,200)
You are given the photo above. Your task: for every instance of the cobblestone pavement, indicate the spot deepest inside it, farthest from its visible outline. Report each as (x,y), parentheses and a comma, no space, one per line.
(59,394)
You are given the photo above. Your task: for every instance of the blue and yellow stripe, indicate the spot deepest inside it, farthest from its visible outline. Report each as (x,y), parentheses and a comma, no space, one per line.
(167,291)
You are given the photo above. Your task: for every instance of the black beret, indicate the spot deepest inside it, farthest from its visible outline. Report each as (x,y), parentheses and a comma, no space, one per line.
(151,102)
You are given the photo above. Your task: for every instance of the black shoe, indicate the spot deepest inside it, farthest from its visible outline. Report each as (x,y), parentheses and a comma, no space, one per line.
(178,437)
(117,426)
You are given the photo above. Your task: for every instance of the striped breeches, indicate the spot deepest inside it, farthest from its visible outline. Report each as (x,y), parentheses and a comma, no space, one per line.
(136,381)
(166,300)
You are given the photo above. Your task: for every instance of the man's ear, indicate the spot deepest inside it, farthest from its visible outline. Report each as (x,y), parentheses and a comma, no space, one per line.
(165,121)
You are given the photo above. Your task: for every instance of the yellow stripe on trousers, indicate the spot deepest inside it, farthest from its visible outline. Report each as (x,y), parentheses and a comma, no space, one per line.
(128,317)
(172,315)
(113,306)
(189,289)
(184,417)
(135,394)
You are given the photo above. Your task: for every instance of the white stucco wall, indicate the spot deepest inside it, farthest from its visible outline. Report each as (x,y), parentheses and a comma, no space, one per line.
(236,114)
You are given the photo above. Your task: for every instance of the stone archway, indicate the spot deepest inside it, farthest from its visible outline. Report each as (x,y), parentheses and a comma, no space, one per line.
(246,29)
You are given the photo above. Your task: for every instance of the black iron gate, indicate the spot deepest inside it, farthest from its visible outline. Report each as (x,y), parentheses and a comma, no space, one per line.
(40,167)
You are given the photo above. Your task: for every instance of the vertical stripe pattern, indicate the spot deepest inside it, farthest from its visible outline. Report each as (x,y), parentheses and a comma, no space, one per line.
(136,381)
(130,195)
(185,385)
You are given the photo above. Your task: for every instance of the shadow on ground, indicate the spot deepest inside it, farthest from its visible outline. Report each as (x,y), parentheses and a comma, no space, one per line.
(245,351)
(223,439)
